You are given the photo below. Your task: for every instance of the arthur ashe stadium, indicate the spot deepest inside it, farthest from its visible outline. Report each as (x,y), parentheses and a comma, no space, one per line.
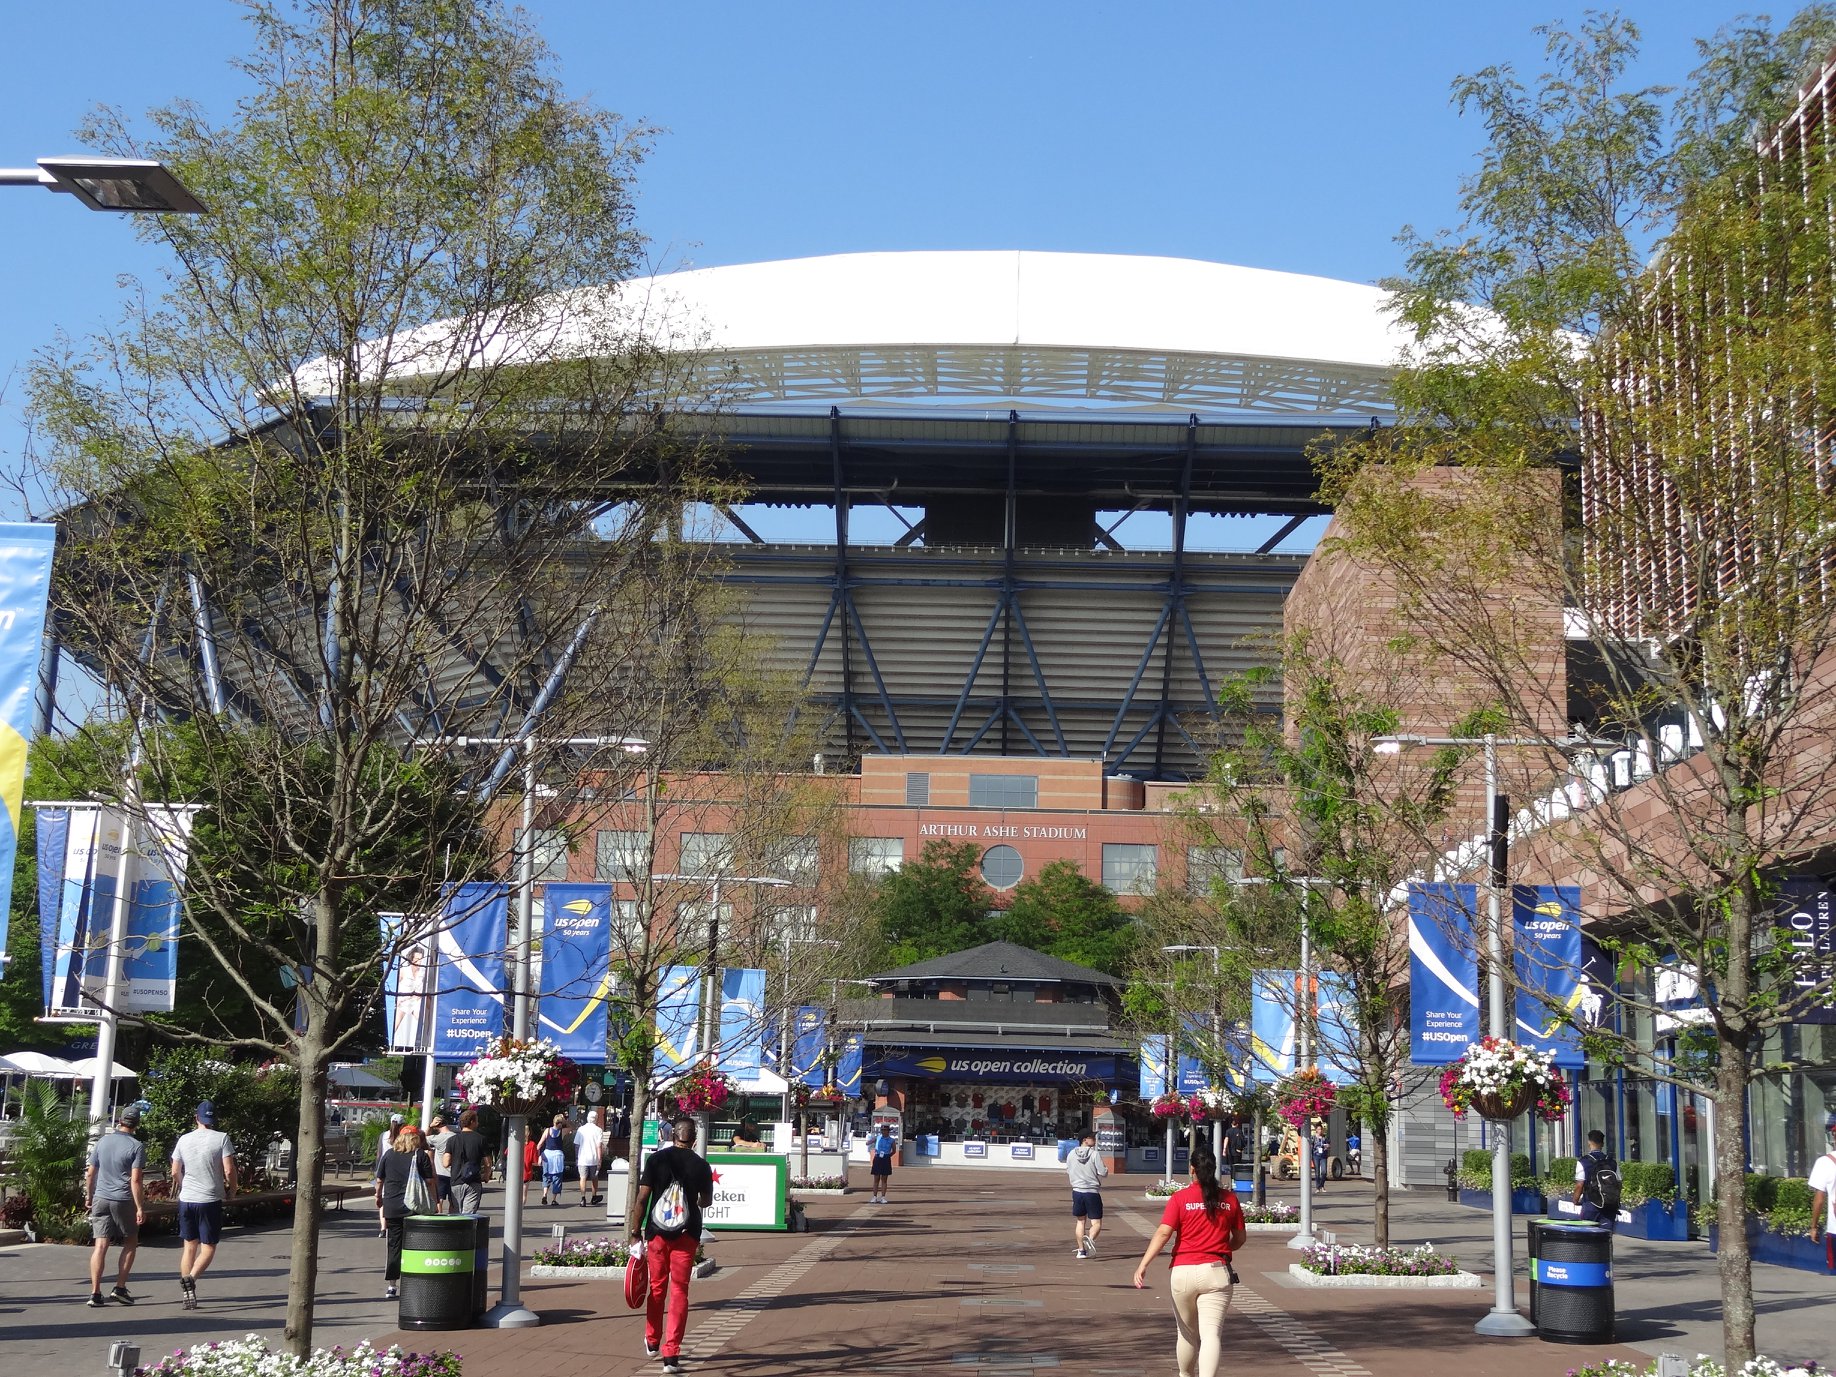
(966,442)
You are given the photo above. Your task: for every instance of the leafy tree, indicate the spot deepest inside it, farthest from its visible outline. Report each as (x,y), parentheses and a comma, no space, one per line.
(1063,912)
(1691,562)
(386,436)
(934,905)
(251,1103)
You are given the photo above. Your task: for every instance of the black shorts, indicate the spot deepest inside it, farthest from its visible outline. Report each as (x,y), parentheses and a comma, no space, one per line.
(443,1188)
(200,1221)
(882,1166)
(1086,1204)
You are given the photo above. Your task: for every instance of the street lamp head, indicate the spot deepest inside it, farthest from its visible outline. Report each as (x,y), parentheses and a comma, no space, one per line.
(119,184)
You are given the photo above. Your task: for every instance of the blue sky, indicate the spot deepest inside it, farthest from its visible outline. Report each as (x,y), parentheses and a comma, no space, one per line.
(1299,137)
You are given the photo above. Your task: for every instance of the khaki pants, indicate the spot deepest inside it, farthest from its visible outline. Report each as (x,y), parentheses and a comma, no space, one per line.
(1201,1297)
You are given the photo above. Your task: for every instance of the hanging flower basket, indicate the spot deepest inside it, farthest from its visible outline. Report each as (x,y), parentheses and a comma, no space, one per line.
(1303,1097)
(515,1077)
(1180,1108)
(703,1090)
(1499,1080)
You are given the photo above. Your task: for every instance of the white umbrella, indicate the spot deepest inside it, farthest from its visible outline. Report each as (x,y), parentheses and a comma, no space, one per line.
(86,1070)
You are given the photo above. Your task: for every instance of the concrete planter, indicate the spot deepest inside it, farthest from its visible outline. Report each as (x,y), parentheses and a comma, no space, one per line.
(1524,1200)
(1656,1221)
(540,1272)
(799,1192)
(1458,1281)
(1796,1251)
(1273,1228)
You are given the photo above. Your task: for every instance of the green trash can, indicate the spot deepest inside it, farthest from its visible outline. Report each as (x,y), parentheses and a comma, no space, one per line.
(437,1271)
(481,1264)
(1571,1282)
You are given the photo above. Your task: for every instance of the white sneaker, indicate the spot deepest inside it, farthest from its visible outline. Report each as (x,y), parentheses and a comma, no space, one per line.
(1090,1247)
(1080,1254)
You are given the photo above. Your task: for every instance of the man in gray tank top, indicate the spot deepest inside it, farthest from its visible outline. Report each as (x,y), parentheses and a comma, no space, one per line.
(203,1177)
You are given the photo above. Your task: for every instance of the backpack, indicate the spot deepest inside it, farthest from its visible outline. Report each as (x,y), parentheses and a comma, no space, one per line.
(1602,1184)
(669,1211)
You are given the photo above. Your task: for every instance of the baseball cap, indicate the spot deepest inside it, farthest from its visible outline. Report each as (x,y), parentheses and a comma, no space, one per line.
(1830,1122)
(396,1121)
(207,1113)
(129,1117)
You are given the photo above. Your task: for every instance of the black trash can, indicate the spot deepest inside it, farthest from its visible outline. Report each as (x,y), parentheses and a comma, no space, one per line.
(481,1264)
(1571,1282)
(437,1270)
(1243,1178)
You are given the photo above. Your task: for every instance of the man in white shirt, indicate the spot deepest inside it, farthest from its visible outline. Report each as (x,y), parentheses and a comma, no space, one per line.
(589,1146)
(1823,1193)
(203,1177)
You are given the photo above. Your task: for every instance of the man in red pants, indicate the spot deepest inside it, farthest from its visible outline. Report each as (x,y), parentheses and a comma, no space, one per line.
(677,1186)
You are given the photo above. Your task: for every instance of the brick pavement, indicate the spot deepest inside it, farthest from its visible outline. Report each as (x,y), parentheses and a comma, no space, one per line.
(966,1271)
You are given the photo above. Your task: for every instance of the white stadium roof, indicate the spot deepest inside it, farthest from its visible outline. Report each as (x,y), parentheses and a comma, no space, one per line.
(1119,331)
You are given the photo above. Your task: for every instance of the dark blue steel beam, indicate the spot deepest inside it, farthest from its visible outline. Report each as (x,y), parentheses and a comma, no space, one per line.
(1176,593)
(873,669)
(1045,694)
(1134,684)
(975,668)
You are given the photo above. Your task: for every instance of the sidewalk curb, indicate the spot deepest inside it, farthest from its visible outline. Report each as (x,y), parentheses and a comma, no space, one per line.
(1458,1281)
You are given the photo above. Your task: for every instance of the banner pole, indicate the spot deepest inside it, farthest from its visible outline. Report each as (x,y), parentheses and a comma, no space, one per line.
(102,1085)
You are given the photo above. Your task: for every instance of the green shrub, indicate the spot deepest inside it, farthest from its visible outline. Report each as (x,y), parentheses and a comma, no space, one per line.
(1644,1181)
(251,1103)
(1791,1194)
(1477,1160)
(1521,1175)
(48,1153)
(1762,1193)
(1559,1178)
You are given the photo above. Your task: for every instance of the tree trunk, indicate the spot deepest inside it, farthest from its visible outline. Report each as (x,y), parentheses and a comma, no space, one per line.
(1733,1262)
(303,1255)
(1379,1139)
(640,1106)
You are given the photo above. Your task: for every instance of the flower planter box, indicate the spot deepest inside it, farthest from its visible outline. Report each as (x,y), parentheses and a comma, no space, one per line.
(540,1272)
(1656,1221)
(1292,1226)
(798,1192)
(1456,1281)
(1524,1200)
(1797,1251)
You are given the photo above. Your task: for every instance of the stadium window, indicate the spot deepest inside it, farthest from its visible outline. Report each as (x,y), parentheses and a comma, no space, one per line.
(1129,867)
(1003,791)
(795,921)
(875,855)
(917,789)
(620,857)
(627,930)
(550,847)
(692,921)
(1002,867)
(1207,865)
(706,853)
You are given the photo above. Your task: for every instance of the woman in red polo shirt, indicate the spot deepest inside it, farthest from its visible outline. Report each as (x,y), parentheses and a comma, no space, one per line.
(1208,1223)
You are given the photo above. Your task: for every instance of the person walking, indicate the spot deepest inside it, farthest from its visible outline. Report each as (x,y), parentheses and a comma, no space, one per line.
(467,1164)
(114,1193)
(1597,1183)
(1086,1170)
(589,1149)
(882,1148)
(677,1186)
(1317,1145)
(383,1144)
(1823,1194)
(553,1160)
(407,1159)
(1208,1223)
(203,1177)
(439,1141)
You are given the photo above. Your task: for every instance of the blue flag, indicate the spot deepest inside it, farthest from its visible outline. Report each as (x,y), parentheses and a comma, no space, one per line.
(1547,958)
(1153,1081)
(742,1016)
(809,1040)
(1335,1023)
(1191,1073)
(474,929)
(53,840)
(25,585)
(1271,1025)
(848,1065)
(577,976)
(678,1022)
(1443,977)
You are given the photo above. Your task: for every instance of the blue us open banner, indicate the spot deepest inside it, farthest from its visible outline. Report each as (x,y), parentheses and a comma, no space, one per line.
(473,930)
(848,1064)
(678,1022)
(25,586)
(1153,1067)
(742,1020)
(1443,976)
(577,975)
(1547,958)
(1271,1026)
(809,1041)
(1190,1071)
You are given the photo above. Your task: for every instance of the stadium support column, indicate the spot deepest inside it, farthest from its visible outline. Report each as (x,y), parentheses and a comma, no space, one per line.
(1010,518)
(841,598)
(1176,594)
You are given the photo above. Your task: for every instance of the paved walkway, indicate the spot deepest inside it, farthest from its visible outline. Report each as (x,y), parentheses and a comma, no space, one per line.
(966,1271)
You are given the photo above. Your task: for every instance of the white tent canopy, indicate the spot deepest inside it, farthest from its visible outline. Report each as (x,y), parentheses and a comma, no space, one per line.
(38,1064)
(86,1070)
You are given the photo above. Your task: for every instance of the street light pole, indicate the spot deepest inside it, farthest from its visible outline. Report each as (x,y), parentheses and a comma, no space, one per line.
(1503,1322)
(110,184)
(510,1312)
(1217,1038)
